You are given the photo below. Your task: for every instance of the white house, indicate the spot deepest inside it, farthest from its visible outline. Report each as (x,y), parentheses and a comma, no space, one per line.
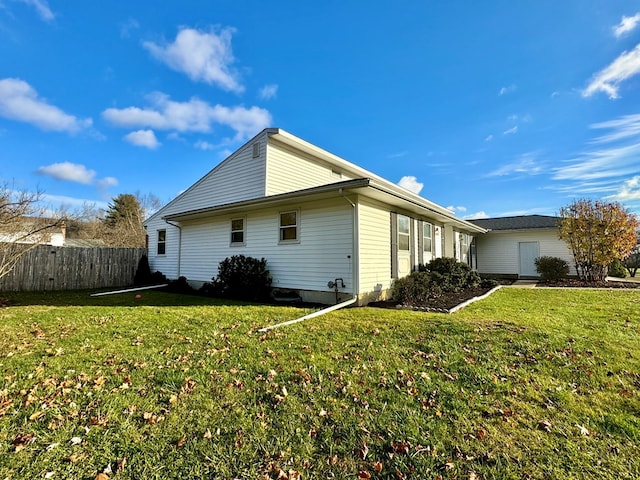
(511,245)
(317,219)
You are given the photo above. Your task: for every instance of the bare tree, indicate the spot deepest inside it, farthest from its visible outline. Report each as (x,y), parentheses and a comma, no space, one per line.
(24,224)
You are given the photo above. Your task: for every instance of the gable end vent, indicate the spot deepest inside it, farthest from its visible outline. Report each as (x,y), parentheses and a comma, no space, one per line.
(256,150)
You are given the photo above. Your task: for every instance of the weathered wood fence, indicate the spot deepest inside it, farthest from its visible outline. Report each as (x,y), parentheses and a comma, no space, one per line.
(71,268)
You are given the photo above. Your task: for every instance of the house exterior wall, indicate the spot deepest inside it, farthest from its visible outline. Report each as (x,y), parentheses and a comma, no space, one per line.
(374,245)
(323,253)
(289,170)
(497,251)
(221,185)
(167,263)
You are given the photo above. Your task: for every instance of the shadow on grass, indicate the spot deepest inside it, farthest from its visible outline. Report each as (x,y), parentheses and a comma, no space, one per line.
(127,299)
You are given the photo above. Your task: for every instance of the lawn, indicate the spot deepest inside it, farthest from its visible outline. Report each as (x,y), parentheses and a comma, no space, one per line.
(526,384)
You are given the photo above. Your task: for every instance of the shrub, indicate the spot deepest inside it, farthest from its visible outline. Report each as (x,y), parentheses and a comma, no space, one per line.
(181,285)
(158,278)
(143,272)
(243,278)
(552,268)
(617,269)
(451,275)
(415,289)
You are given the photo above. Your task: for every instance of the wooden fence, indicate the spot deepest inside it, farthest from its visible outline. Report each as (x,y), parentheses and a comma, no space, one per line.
(71,268)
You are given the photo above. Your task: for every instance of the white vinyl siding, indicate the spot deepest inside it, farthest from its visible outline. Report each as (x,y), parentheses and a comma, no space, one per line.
(289,170)
(497,252)
(323,253)
(239,177)
(166,263)
(374,245)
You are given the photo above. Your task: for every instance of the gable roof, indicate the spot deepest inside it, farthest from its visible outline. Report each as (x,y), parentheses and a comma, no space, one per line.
(365,182)
(523,222)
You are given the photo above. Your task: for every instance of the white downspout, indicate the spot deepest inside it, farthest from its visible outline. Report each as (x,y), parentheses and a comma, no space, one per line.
(355,259)
(354,279)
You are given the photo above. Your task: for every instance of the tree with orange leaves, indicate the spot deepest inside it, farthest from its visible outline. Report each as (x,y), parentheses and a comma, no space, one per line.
(598,233)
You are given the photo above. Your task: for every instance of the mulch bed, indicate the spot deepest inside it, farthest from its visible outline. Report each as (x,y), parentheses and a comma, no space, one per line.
(443,303)
(448,301)
(575,283)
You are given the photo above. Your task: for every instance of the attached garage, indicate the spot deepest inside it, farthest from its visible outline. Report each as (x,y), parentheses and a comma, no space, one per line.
(512,244)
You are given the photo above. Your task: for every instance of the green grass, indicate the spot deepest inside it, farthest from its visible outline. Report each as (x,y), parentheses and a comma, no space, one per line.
(525,384)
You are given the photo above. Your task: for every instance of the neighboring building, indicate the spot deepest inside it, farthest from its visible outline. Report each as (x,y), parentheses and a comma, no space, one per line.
(35,230)
(512,244)
(316,218)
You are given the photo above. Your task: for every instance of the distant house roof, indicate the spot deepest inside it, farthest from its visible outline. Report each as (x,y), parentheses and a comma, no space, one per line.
(517,223)
(84,242)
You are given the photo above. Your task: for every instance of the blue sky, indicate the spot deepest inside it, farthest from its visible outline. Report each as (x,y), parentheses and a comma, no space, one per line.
(490,108)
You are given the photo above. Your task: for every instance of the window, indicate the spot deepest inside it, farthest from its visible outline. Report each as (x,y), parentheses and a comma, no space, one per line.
(427,237)
(289,226)
(404,232)
(464,247)
(162,242)
(237,231)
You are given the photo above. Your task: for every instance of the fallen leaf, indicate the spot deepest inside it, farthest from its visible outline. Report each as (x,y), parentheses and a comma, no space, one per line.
(583,430)
(181,442)
(76,441)
(364,475)
(544,425)
(76,458)
(207,434)
(22,440)
(121,464)
(36,415)
(102,476)
(377,466)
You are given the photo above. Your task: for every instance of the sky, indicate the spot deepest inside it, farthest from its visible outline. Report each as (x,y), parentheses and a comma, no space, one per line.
(491,109)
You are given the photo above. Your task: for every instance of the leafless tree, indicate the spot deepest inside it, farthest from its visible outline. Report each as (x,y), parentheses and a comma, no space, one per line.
(24,224)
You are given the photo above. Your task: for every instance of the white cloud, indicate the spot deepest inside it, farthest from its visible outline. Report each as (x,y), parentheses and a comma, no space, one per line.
(42,8)
(192,116)
(488,138)
(202,56)
(202,145)
(67,171)
(624,127)
(404,153)
(411,183)
(511,131)
(455,209)
(609,79)
(127,27)
(508,89)
(268,92)
(608,165)
(526,164)
(476,216)
(629,190)
(63,200)
(626,25)
(20,102)
(107,182)
(143,138)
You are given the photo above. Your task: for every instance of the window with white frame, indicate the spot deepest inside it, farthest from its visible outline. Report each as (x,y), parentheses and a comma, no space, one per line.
(427,237)
(464,247)
(162,242)
(404,233)
(237,231)
(289,227)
